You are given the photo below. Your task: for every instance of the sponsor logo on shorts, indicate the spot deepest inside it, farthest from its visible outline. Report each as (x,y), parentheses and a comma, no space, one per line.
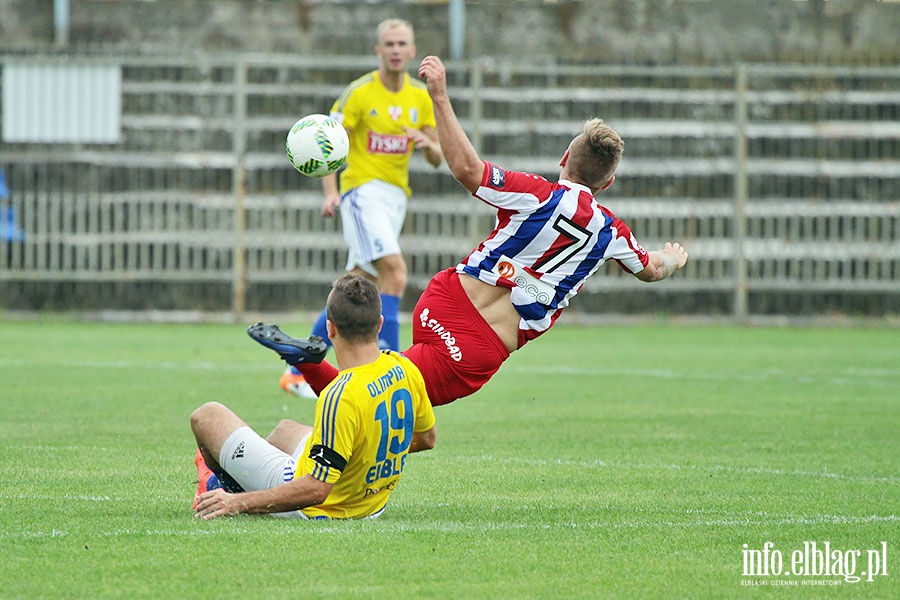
(448,338)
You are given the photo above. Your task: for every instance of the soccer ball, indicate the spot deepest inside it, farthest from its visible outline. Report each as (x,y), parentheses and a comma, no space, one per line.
(317,145)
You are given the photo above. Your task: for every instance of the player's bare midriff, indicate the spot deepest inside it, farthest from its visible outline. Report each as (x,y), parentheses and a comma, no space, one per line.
(494,305)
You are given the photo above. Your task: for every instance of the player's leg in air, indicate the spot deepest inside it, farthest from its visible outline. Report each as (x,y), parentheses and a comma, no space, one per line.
(455,349)
(309,352)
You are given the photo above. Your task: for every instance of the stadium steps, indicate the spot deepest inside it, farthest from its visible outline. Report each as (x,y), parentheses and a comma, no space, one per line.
(821,172)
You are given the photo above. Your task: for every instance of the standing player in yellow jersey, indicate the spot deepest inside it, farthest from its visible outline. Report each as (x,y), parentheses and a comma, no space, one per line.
(347,463)
(388,115)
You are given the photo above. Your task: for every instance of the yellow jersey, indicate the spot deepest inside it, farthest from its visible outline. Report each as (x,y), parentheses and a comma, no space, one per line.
(363,425)
(374,118)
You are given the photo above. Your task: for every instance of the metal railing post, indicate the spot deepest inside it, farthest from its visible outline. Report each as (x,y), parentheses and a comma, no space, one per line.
(239,190)
(739,215)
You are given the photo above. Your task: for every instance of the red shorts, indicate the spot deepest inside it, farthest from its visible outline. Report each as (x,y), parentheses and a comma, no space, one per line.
(453,346)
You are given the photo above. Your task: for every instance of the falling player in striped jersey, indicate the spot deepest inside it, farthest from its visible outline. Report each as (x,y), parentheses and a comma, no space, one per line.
(548,239)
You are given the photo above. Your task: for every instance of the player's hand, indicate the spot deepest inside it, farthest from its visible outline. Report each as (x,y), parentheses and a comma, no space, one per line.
(420,140)
(434,73)
(217,503)
(330,205)
(676,251)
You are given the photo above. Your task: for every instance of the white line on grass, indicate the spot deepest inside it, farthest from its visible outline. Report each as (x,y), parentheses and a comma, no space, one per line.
(477,526)
(854,377)
(141,364)
(54,497)
(540,462)
(850,377)
(88,498)
(749,520)
(531,462)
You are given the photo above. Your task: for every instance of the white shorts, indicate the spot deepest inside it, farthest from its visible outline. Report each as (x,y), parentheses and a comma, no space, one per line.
(372,217)
(258,465)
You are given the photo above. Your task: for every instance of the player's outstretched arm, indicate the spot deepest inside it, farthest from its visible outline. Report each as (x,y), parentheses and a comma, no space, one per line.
(458,150)
(299,493)
(663,263)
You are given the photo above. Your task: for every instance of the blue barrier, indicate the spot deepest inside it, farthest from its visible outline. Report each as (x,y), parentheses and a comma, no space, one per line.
(9,231)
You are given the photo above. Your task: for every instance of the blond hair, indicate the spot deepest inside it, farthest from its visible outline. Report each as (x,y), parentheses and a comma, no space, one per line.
(391,24)
(595,153)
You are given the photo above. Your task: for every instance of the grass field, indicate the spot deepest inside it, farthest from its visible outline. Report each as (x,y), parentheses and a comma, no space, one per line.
(613,462)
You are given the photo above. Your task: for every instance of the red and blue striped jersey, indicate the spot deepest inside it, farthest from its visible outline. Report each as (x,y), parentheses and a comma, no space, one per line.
(548,239)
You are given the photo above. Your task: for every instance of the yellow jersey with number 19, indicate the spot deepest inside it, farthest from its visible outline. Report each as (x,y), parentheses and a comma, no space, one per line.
(363,426)
(374,118)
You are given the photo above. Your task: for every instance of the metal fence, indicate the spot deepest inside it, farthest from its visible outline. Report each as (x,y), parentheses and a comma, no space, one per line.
(781,181)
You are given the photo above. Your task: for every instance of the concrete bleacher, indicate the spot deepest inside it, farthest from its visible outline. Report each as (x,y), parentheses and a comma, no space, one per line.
(821,183)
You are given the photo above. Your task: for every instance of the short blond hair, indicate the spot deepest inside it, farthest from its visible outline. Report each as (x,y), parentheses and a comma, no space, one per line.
(391,24)
(595,153)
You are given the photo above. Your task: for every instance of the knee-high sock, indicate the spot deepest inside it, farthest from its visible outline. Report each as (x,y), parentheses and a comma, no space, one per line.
(317,375)
(390,331)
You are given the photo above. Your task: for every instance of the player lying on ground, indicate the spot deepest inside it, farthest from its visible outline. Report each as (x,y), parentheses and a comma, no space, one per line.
(374,413)
(549,238)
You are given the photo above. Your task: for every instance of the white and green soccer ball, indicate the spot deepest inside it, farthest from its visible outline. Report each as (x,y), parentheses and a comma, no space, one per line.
(317,145)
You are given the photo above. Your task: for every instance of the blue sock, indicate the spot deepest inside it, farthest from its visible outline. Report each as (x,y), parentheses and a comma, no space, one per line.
(390,331)
(227,482)
(320,328)
(212,482)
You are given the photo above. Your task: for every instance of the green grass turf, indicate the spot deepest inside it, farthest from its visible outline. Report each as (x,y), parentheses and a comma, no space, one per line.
(618,462)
